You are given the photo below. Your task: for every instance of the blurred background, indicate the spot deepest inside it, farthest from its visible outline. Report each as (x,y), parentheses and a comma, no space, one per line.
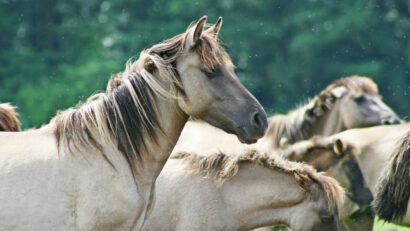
(54,53)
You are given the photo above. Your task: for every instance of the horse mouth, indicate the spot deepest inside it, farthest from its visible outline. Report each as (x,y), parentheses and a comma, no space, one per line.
(244,137)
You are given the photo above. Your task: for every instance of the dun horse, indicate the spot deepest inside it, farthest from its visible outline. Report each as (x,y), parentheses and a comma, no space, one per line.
(242,192)
(351,102)
(373,148)
(346,103)
(93,167)
(8,118)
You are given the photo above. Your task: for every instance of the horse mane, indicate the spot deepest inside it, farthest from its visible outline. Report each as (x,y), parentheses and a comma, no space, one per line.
(126,115)
(393,192)
(9,121)
(296,125)
(221,167)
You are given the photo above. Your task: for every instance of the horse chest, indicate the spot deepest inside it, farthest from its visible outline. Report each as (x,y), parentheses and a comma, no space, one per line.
(106,203)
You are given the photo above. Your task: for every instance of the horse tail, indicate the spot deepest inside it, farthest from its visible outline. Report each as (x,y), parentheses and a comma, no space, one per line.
(8,118)
(393,188)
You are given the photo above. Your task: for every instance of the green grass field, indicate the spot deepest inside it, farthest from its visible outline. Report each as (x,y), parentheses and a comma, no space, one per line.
(381,226)
(378,226)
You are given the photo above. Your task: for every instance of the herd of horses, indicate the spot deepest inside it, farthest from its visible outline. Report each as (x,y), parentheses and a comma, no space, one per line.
(130,158)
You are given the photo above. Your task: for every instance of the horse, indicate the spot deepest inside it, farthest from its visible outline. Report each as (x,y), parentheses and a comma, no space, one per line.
(9,118)
(392,197)
(346,103)
(350,102)
(338,160)
(242,192)
(93,167)
(373,148)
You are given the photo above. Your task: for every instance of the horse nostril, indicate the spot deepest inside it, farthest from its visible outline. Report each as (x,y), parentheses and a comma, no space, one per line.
(389,121)
(395,121)
(257,121)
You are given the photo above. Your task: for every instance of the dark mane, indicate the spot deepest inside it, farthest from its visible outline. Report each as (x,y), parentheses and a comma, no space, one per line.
(393,192)
(297,124)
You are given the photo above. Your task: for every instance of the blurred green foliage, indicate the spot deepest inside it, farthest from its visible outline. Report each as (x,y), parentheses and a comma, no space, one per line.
(54,53)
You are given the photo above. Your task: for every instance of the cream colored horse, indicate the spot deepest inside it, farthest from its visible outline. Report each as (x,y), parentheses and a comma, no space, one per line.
(93,167)
(373,148)
(8,118)
(242,192)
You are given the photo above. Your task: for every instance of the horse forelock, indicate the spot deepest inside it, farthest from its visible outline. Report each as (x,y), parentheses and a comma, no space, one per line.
(208,49)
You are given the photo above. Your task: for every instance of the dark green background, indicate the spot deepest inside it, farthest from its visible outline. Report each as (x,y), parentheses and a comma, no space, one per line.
(54,53)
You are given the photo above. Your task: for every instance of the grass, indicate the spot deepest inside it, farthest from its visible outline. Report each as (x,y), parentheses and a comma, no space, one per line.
(378,226)
(382,226)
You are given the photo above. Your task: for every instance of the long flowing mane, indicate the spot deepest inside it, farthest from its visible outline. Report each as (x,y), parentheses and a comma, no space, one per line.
(297,124)
(222,167)
(126,115)
(9,121)
(393,192)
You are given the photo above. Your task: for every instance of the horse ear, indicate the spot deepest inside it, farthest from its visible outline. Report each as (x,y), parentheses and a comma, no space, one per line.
(303,180)
(214,30)
(149,65)
(199,28)
(338,147)
(338,91)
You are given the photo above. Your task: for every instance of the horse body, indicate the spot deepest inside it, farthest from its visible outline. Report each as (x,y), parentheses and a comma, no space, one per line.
(83,193)
(216,199)
(93,167)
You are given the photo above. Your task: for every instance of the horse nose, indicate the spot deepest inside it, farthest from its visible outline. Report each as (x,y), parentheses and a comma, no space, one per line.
(259,122)
(391,120)
(366,197)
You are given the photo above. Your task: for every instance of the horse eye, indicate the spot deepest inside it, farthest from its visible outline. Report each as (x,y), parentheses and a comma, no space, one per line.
(210,73)
(326,219)
(360,99)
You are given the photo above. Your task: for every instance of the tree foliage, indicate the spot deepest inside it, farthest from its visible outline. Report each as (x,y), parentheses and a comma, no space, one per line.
(54,53)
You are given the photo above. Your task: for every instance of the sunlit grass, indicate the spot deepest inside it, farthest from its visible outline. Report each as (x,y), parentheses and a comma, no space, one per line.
(378,226)
(382,226)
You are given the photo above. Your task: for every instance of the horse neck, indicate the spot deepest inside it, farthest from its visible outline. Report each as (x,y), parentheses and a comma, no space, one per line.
(331,122)
(270,197)
(171,121)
